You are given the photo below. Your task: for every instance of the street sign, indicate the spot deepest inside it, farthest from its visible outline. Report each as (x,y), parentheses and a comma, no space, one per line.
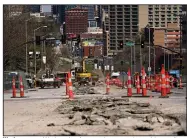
(129,43)
(149,69)
(44,59)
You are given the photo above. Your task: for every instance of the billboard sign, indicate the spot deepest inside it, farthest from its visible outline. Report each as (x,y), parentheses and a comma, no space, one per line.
(95,29)
(70,36)
(92,43)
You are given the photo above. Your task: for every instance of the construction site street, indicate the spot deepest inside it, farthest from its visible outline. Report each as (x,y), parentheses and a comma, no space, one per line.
(49,112)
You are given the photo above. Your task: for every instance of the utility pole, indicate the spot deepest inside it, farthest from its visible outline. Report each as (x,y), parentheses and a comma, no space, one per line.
(180,19)
(134,59)
(149,50)
(154,61)
(140,52)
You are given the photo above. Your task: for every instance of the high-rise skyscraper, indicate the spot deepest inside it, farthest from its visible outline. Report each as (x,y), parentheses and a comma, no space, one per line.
(61,11)
(122,24)
(184,27)
(160,15)
(91,14)
(34,8)
(76,21)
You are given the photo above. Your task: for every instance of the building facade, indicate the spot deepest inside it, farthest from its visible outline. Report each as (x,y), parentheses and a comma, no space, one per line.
(91,15)
(34,8)
(168,37)
(61,11)
(76,21)
(184,27)
(122,24)
(160,15)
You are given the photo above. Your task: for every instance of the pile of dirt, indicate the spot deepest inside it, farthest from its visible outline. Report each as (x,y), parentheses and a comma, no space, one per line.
(116,114)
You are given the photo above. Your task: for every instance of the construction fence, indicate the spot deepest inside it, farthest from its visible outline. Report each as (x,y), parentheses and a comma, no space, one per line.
(7,80)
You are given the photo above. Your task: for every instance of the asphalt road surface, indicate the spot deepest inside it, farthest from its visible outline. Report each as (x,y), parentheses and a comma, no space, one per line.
(30,115)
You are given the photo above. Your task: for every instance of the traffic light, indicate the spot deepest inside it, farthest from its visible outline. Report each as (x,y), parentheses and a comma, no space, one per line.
(37,40)
(142,44)
(73,61)
(121,44)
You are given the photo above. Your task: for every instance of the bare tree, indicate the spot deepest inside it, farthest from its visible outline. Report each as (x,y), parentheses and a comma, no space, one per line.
(14,37)
(64,52)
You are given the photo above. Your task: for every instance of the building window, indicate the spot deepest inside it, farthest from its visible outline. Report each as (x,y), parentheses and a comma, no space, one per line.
(184,32)
(184,41)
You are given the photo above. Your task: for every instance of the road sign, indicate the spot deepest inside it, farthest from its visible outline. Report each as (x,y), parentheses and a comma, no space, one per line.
(129,43)
(149,69)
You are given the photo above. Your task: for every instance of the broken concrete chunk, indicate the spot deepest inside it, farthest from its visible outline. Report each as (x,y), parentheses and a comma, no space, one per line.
(143,127)
(51,124)
(108,122)
(167,123)
(79,122)
(78,116)
(154,120)
(160,119)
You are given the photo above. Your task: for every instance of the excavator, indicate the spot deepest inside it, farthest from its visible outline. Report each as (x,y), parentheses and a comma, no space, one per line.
(81,74)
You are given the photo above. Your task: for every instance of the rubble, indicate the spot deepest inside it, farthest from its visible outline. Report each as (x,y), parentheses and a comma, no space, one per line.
(118,115)
(82,90)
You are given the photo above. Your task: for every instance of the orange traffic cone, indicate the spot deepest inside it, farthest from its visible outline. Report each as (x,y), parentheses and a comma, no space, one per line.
(138,84)
(13,88)
(129,87)
(67,93)
(71,95)
(167,83)
(144,91)
(163,83)
(107,85)
(21,87)
(180,83)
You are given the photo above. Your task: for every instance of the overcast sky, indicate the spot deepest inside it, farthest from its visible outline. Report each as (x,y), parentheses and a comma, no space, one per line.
(46,8)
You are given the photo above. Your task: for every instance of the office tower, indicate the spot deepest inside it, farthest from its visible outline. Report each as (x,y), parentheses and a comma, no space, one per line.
(122,24)
(91,14)
(34,8)
(61,11)
(184,27)
(76,21)
(160,15)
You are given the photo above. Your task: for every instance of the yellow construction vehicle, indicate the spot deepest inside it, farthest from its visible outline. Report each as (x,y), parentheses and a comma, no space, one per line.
(82,76)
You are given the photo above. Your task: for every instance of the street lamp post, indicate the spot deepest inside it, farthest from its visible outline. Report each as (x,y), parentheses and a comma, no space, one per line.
(26,43)
(35,47)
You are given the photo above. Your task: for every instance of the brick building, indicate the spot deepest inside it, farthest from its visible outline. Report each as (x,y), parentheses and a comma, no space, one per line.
(76,21)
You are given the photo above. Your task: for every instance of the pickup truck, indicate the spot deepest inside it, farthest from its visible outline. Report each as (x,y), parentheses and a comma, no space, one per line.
(49,80)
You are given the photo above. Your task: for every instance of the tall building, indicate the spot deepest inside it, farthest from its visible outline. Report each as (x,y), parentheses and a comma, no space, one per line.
(47,10)
(34,8)
(61,11)
(184,27)
(55,9)
(122,24)
(160,15)
(76,21)
(91,14)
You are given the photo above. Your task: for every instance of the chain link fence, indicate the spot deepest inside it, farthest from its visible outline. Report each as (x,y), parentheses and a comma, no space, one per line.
(7,80)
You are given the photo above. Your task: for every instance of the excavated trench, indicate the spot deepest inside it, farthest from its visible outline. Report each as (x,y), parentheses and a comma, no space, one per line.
(115,116)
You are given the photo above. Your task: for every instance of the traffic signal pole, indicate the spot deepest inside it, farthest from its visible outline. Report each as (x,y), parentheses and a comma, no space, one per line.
(140,52)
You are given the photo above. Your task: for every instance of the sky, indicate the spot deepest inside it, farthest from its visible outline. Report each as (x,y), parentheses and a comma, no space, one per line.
(46,8)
